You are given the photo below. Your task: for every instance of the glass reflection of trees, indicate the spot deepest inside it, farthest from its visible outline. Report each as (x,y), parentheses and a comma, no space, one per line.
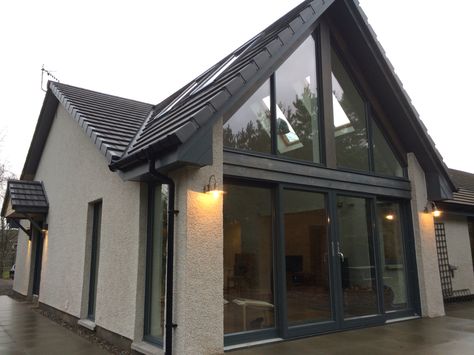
(350,124)
(296,114)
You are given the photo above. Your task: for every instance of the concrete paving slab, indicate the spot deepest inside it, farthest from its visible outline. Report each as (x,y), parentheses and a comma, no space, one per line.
(453,334)
(25,332)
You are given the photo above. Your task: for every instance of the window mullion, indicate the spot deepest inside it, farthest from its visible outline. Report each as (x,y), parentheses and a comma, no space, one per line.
(273,125)
(370,140)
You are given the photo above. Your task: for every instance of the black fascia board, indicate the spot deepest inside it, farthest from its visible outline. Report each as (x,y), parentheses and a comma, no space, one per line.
(5,202)
(197,152)
(456,208)
(431,160)
(38,142)
(234,99)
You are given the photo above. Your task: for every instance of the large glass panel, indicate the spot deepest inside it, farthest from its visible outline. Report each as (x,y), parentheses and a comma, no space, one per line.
(248,263)
(250,127)
(356,253)
(350,126)
(157,263)
(392,255)
(385,161)
(306,246)
(297,105)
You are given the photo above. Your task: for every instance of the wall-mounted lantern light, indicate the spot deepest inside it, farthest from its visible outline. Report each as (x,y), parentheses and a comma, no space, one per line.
(212,188)
(390,216)
(431,207)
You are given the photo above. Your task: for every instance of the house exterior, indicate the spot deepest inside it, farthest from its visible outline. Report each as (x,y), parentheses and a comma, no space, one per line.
(280,194)
(455,239)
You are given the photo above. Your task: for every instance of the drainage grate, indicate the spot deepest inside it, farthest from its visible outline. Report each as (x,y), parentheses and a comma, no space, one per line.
(443,261)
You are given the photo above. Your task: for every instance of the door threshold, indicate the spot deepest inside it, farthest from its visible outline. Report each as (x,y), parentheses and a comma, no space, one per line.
(396,320)
(253,343)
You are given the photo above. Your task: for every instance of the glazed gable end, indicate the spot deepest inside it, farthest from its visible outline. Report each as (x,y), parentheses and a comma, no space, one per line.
(179,133)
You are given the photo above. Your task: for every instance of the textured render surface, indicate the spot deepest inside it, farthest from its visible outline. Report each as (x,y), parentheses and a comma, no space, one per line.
(75,173)
(459,251)
(199,259)
(23,263)
(141,266)
(425,243)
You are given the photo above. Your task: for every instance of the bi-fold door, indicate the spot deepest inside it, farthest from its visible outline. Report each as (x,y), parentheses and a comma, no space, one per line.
(339,261)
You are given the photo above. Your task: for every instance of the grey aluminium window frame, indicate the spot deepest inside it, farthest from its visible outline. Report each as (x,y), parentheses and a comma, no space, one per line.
(150,239)
(324,42)
(95,245)
(282,329)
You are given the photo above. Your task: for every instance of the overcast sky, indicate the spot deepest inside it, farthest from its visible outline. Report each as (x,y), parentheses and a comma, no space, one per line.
(146,50)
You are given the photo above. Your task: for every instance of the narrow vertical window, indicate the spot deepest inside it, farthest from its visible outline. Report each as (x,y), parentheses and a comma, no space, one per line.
(156,263)
(350,122)
(392,255)
(95,245)
(297,122)
(385,161)
(470,225)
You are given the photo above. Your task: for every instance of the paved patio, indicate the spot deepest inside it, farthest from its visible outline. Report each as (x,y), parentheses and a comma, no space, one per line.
(453,334)
(25,332)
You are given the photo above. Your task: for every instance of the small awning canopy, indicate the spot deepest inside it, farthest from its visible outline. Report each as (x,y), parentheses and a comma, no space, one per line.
(25,200)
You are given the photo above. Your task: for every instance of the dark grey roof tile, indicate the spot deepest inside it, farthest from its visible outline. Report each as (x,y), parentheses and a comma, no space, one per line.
(219,99)
(307,14)
(110,121)
(202,116)
(262,58)
(237,72)
(296,24)
(286,35)
(465,184)
(25,195)
(248,71)
(274,46)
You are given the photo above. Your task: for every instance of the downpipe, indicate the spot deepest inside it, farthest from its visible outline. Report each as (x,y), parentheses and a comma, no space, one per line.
(169,325)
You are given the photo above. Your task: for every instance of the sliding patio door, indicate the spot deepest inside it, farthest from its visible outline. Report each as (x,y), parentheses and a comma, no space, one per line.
(355,250)
(300,262)
(307,286)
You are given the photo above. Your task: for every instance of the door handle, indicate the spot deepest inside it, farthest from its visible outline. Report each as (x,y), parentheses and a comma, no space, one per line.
(340,253)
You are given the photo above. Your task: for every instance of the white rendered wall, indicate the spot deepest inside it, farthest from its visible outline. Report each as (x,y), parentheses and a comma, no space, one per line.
(425,243)
(22,264)
(198,297)
(75,173)
(459,251)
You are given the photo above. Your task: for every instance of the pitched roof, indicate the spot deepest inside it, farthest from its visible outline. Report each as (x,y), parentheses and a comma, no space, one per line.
(465,183)
(217,89)
(110,121)
(126,131)
(25,197)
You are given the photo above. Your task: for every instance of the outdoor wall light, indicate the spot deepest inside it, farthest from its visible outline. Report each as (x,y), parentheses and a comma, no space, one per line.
(390,216)
(211,188)
(431,207)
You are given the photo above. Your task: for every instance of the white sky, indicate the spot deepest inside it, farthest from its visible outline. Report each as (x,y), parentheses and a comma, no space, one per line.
(145,50)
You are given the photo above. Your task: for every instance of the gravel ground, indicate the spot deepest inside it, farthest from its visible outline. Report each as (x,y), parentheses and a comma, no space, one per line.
(85,333)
